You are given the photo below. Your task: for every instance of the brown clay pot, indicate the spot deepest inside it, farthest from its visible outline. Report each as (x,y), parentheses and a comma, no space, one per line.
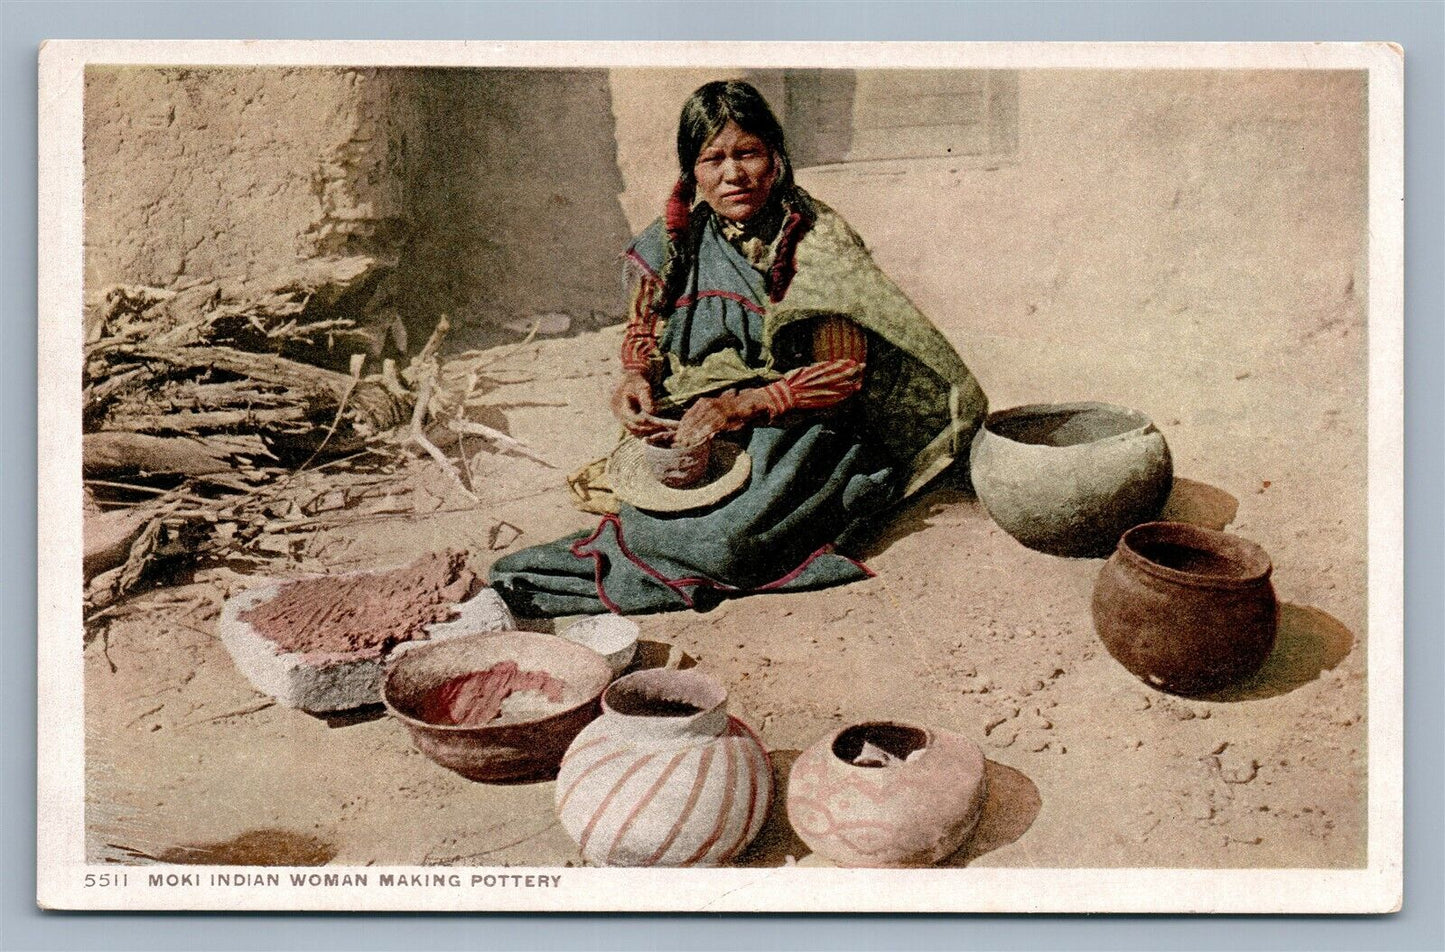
(887,794)
(1184,608)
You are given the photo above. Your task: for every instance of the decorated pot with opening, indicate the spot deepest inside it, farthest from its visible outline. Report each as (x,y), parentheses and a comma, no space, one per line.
(1186,609)
(1069,478)
(665,777)
(887,794)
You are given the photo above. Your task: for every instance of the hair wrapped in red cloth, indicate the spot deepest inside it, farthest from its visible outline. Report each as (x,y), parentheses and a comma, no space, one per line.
(676,217)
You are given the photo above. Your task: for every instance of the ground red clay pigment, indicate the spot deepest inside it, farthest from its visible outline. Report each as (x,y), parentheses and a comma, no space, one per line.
(358,612)
(476,698)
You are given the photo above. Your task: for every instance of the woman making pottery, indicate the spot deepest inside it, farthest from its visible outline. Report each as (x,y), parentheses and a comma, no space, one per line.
(758,319)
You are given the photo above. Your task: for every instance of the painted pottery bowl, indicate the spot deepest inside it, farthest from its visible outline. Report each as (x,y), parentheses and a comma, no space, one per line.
(887,794)
(528,737)
(664,777)
(611,636)
(676,465)
(1069,478)
(1184,608)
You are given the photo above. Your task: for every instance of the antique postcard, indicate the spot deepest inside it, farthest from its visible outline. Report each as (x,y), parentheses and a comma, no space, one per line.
(721,476)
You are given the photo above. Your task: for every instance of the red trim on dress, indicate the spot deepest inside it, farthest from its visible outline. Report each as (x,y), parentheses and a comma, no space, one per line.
(730,295)
(678,584)
(596,558)
(641,262)
(785,265)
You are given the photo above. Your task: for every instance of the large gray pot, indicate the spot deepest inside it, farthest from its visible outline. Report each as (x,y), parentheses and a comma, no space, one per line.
(1070,478)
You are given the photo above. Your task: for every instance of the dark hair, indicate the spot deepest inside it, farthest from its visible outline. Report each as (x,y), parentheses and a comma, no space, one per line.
(709,108)
(703,116)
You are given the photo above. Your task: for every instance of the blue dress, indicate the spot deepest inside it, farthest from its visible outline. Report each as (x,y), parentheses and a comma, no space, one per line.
(812,481)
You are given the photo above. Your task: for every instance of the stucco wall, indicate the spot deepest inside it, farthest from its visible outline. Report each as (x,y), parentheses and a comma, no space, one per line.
(515,198)
(235,173)
(495,192)
(1141,209)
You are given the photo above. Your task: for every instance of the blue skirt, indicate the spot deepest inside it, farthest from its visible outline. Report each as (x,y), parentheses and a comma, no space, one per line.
(811,485)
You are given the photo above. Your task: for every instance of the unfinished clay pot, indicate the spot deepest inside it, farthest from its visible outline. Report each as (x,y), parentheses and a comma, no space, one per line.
(664,777)
(676,465)
(1184,608)
(887,794)
(1069,478)
(526,741)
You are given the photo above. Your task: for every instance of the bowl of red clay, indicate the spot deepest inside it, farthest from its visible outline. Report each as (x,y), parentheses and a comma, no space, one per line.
(496,708)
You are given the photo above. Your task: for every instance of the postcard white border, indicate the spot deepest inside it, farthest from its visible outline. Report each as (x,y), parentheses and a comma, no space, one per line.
(62,871)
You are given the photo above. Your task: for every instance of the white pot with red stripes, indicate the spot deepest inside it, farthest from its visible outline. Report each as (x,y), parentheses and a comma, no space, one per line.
(664,777)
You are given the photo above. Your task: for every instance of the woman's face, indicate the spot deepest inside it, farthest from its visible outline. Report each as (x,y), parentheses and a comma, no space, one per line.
(735,173)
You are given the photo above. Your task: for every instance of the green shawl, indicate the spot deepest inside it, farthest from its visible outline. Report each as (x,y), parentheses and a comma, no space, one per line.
(919,400)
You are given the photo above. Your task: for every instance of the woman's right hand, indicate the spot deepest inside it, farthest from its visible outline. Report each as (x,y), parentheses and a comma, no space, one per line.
(632,403)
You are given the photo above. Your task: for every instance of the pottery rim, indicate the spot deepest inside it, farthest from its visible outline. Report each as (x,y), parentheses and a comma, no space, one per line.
(1236,549)
(923,751)
(1144,424)
(668,684)
(420,651)
(656,442)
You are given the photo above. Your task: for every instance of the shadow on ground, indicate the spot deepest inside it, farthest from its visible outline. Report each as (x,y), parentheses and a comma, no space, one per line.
(1012,805)
(358,715)
(1199,504)
(660,654)
(1307,643)
(776,841)
(253,848)
(878,535)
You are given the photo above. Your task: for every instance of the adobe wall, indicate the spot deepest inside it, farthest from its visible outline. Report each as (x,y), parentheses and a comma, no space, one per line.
(1154,212)
(235,173)
(495,192)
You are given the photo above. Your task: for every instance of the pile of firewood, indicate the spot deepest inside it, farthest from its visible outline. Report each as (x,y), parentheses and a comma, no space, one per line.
(235,428)
(195,403)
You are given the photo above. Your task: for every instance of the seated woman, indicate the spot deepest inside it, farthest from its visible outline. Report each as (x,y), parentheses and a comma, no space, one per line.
(758,313)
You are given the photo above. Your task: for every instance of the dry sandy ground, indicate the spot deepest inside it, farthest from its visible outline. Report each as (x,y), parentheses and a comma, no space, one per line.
(962,628)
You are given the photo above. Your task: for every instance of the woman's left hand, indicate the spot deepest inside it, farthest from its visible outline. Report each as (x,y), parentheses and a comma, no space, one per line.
(709,416)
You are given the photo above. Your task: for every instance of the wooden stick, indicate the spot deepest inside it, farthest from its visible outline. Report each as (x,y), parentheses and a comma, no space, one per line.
(419,438)
(110,453)
(340,409)
(373,402)
(204,421)
(497,436)
(133,487)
